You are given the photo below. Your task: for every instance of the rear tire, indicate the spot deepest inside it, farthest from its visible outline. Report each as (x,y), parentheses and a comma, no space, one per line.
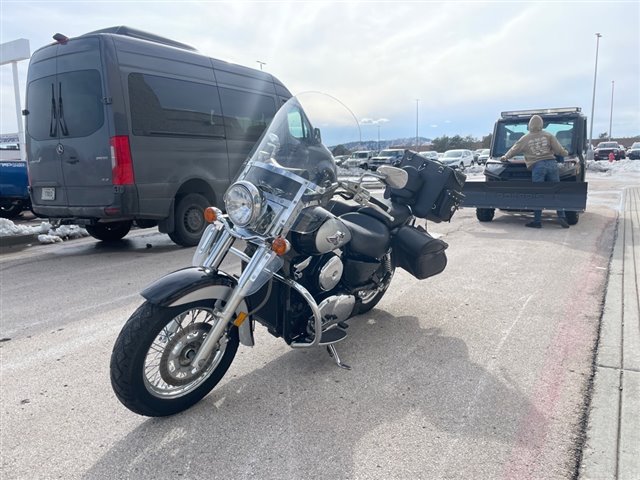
(572,217)
(485,214)
(189,223)
(12,210)
(150,369)
(109,232)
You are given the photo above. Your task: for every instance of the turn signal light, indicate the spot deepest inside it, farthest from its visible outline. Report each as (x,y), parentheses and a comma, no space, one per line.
(242,316)
(280,246)
(210,215)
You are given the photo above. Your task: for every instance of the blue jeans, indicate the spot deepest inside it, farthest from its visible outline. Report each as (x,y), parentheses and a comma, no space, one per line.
(545,171)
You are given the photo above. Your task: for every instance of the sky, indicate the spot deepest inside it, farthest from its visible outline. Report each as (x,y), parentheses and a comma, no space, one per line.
(444,67)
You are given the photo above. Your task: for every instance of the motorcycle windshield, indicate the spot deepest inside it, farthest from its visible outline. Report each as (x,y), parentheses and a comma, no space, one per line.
(293,150)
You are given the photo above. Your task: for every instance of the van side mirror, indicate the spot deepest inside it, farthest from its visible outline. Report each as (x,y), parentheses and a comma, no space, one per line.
(316,135)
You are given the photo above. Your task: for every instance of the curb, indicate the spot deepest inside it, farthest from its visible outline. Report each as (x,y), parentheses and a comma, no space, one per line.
(13,240)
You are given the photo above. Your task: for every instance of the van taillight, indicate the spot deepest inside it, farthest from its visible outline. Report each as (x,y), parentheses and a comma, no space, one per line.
(121,165)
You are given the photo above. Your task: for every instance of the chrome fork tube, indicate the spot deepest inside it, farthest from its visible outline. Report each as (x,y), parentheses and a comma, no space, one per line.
(224,317)
(219,250)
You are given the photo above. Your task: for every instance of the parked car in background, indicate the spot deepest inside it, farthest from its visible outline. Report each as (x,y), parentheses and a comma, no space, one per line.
(385,157)
(431,155)
(623,153)
(634,151)
(440,155)
(14,188)
(483,156)
(476,154)
(458,158)
(603,150)
(358,159)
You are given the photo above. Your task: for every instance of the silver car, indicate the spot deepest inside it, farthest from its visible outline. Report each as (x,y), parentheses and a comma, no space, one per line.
(458,158)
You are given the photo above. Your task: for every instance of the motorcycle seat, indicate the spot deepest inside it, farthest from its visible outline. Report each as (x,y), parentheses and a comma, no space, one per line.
(369,236)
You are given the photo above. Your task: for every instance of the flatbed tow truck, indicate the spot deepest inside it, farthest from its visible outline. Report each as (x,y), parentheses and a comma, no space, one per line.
(508,186)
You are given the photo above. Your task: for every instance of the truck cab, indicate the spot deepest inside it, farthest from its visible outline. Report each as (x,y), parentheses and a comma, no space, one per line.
(508,185)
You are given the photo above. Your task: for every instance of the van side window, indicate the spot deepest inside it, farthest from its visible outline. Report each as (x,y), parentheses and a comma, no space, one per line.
(246,114)
(169,107)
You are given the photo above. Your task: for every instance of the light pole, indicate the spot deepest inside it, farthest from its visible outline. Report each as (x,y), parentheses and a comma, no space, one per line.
(261,63)
(611,114)
(378,147)
(593,100)
(417,101)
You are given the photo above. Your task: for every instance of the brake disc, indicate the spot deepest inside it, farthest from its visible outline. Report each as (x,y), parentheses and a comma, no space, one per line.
(175,363)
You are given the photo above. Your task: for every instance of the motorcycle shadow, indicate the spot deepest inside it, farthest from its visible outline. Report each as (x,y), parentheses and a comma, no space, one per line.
(299,416)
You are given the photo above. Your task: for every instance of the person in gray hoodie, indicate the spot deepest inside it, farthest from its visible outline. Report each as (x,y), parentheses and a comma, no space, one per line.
(540,149)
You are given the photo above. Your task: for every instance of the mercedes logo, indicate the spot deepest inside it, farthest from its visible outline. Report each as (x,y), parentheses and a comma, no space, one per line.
(59,149)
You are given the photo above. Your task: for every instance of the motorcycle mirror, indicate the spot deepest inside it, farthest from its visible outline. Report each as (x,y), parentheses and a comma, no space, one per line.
(393,176)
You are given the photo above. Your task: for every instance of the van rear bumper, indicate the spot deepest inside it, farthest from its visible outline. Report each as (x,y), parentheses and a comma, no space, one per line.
(79,215)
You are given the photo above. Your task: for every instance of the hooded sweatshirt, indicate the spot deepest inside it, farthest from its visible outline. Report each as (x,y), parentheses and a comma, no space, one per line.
(537,145)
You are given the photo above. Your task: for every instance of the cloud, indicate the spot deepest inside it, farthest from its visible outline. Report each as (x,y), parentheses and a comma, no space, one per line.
(465,61)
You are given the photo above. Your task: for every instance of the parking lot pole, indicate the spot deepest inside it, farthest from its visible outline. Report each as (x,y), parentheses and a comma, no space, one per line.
(613,82)
(593,100)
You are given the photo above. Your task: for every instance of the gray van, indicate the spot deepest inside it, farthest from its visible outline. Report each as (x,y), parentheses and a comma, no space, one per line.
(124,126)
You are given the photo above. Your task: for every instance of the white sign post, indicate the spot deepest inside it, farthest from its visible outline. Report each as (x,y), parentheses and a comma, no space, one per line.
(13,52)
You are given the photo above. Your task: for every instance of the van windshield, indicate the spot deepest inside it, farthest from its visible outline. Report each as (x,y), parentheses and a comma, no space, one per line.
(66,105)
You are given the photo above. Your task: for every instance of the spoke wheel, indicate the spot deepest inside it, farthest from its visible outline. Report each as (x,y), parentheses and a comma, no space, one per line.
(151,365)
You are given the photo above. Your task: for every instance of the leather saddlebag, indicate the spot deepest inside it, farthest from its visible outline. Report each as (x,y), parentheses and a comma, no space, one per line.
(417,252)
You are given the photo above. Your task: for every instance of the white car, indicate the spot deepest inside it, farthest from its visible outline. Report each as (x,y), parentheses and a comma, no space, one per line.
(430,155)
(359,159)
(483,156)
(458,158)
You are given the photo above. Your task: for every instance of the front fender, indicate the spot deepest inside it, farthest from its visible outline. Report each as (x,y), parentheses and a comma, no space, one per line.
(190,285)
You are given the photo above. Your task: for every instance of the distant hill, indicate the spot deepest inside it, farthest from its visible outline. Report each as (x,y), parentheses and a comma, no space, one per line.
(395,143)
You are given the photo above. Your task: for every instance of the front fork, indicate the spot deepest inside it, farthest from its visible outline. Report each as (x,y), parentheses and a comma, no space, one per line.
(223,317)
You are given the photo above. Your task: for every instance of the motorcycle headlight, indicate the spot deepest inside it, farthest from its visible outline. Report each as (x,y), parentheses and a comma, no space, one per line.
(243,202)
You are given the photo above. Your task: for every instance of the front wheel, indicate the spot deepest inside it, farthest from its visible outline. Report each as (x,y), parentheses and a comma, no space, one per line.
(151,372)
(190,223)
(485,214)
(572,217)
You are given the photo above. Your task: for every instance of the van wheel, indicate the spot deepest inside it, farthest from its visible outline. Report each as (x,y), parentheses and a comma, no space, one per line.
(109,232)
(190,222)
(572,217)
(485,214)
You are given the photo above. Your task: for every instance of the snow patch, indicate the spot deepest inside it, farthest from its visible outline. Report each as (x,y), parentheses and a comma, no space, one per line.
(45,232)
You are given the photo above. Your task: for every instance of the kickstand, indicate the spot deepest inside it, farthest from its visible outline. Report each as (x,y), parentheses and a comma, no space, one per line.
(333,353)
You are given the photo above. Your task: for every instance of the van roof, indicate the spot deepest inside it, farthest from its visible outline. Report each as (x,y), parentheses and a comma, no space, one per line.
(135,33)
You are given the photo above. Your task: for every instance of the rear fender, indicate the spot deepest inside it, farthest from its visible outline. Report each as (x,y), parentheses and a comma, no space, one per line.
(194,284)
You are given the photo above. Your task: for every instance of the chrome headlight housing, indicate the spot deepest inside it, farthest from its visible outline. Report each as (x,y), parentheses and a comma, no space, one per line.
(243,202)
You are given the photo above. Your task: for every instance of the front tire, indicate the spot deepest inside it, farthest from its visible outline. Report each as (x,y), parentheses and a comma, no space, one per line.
(190,224)
(485,214)
(109,232)
(572,217)
(150,363)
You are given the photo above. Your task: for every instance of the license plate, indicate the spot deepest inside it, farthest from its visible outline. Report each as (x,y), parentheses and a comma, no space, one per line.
(48,194)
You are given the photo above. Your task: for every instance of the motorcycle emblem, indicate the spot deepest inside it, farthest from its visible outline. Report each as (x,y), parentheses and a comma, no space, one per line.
(336,239)
(59,149)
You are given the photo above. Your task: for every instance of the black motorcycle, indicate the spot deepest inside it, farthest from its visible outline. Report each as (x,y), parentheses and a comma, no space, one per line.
(314,252)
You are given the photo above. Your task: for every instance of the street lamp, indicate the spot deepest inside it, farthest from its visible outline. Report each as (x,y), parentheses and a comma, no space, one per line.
(593,100)
(417,100)
(611,114)
(261,63)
